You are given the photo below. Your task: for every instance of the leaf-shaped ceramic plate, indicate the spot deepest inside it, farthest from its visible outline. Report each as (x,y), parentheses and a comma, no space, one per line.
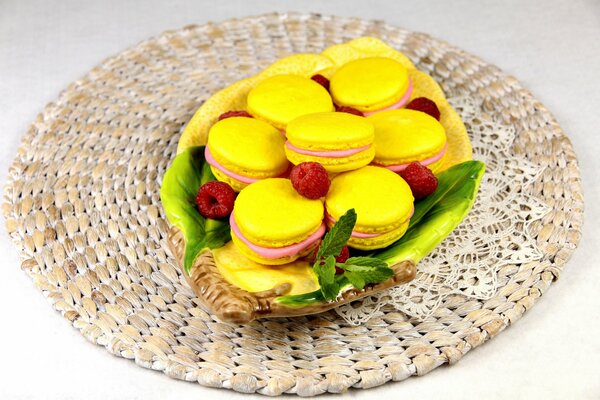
(239,290)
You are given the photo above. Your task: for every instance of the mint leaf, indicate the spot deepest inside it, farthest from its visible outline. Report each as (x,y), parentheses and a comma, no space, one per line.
(366,261)
(337,237)
(362,270)
(326,275)
(332,245)
(325,270)
(355,279)
(371,274)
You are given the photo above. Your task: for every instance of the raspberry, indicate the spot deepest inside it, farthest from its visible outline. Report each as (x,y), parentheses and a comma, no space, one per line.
(232,113)
(215,199)
(310,179)
(321,80)
(425,105)
(343,256)
(421,180)
(349,110)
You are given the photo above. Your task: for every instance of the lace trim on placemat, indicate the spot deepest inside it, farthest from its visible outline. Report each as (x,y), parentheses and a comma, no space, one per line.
(494,234)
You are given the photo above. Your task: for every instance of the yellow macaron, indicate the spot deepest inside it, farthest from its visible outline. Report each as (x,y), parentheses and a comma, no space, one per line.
(371,85)
(281,98)
(244,150)
(272,224)
(405,136)
(338,141)
(382,200)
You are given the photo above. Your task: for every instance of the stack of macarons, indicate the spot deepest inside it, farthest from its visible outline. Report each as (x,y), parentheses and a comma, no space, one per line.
(371,85)
(272,224)
(405,136)
(338,141)
(243,150)
(382,200)
(293,122)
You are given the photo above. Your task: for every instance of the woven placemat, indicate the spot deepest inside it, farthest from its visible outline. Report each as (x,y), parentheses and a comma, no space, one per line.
(82,205)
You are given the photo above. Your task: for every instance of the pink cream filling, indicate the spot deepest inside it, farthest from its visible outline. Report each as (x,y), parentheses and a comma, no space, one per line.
(211,160)
(425,162)
(361,235)
(398,104)
(280,252)
(333,153)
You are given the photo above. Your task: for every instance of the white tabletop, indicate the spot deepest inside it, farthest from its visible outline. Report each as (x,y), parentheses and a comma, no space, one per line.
(551,46)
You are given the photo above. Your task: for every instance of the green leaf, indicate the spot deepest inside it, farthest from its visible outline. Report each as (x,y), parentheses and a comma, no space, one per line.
(332,245)
(355,279)
(306,299)
(326,275)
(365,261)
(178,196)
(371,274)
(325,270)
(301,300)
(437,215)
(362,270)
(338,236)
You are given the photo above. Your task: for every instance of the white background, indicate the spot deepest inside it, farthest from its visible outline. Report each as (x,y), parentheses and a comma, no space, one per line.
(551,46)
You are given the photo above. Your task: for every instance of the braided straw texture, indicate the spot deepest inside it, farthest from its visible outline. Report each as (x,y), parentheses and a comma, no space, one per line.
(82,205)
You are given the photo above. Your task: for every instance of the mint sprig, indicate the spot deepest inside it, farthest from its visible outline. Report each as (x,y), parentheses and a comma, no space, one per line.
(338,236)
(326,273)
(358,271)
(362,270)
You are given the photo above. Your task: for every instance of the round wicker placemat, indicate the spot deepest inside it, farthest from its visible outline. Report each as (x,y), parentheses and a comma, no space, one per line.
(82,205)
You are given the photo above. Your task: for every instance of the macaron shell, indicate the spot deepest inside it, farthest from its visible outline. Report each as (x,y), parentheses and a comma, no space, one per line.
(248,147)
(281,98)
(271,213)
(364,47)
(330,131)
(334,164)
(403,136)
(222,177)
(378,242)
(249,253)
(369,84)
(382,200)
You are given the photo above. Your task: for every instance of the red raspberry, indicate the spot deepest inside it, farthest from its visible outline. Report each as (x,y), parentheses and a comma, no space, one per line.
(425,105)
(421,180)
(349,110)
(230,114)
(215,199)
(321,80)
(343,256)
(310,179)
